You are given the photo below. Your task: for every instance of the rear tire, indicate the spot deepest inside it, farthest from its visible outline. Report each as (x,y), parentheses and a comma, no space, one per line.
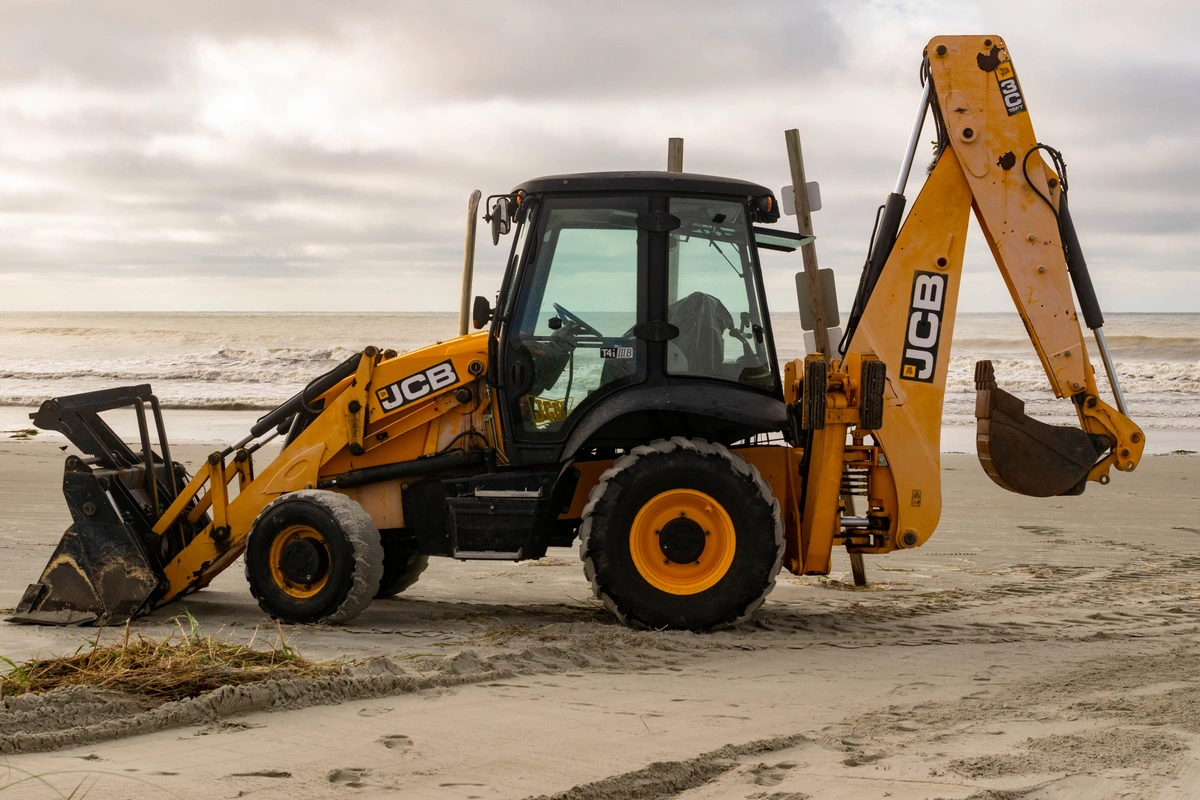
(402,566)
(314,556)
(681,533)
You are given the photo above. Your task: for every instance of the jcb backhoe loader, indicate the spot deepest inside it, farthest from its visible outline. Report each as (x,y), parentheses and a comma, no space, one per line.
(626,393)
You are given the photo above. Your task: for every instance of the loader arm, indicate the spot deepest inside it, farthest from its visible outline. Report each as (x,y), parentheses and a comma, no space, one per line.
(988,162)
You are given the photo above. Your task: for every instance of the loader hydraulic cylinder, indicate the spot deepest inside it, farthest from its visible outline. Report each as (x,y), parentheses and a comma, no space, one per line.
(298,401)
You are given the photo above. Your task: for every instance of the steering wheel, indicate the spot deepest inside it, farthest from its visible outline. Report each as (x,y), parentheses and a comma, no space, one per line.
(578,322)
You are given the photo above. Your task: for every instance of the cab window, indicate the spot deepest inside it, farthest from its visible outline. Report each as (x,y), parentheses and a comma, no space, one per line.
(712,296)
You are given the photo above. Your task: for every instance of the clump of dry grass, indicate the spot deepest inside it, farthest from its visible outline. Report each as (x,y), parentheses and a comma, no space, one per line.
(177,667)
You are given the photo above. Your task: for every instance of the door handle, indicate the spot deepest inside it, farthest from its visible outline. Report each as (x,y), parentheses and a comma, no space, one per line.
(520,375)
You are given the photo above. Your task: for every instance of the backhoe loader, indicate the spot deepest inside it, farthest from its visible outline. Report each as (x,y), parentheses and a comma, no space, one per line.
(625,393)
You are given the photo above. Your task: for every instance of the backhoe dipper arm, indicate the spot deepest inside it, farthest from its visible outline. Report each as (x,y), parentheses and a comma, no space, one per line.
(988,160)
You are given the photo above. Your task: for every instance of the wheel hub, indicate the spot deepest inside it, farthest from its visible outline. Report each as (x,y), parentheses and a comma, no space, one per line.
(303,561)
(681,540)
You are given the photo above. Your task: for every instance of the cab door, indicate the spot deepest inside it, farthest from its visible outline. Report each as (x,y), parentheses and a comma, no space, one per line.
(568,341)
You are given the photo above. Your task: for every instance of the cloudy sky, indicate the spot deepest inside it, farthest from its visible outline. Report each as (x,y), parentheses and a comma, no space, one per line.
(318,155)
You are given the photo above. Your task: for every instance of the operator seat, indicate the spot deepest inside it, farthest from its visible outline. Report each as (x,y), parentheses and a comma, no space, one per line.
(702,321)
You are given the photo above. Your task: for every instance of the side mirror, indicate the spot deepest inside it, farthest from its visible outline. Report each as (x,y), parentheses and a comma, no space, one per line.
(500,219)
(481,312)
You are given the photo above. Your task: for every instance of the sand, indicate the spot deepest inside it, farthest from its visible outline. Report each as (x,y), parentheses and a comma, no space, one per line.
(1033,649)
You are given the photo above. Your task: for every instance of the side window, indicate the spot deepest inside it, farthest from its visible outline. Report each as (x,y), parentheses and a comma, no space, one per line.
(713,296)
(574,326)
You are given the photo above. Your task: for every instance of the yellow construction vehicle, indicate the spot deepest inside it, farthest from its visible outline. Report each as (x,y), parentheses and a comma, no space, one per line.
(626,393)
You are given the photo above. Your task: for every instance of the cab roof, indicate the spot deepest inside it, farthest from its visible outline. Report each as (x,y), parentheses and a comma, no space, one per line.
(644,182)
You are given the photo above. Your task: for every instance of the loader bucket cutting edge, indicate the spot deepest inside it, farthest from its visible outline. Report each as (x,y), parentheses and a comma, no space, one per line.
(1025,455)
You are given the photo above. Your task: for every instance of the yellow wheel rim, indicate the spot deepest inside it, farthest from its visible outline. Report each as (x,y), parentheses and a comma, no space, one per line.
(291,587)
(685,515)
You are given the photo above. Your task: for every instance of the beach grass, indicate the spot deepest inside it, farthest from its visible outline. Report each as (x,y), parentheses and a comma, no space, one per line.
(184,664)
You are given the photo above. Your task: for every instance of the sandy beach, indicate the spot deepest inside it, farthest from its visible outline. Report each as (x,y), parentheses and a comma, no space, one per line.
(1033,649)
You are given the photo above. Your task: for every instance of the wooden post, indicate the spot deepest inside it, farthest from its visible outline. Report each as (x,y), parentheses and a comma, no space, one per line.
(816,298)
(809,251)
(674,155)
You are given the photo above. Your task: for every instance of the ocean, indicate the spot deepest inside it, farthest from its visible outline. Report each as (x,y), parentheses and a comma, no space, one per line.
(218,372)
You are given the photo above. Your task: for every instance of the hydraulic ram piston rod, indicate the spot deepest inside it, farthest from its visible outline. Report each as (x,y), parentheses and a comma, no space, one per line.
(910,153)
(1118,395)
(887,227)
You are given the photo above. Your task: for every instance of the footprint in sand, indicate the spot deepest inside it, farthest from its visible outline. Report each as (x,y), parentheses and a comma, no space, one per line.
(372,712)
(396,741)
(347,776)
(858,759)
(1042,530)
(765,775)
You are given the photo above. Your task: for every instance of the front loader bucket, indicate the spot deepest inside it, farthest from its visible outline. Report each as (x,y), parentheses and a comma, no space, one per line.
(108,566)
(99,573)
(1025,455)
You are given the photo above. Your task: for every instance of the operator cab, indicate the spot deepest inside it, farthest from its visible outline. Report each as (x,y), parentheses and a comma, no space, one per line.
(619,282)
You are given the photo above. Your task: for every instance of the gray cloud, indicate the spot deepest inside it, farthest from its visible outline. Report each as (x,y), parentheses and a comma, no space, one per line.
(319,155)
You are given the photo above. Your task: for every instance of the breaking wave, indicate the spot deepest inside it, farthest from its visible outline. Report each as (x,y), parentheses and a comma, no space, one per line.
(1160,348)
(253,362)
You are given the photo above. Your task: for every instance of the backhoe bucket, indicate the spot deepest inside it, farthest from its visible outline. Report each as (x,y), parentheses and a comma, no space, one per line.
(107,567)
(1025,455)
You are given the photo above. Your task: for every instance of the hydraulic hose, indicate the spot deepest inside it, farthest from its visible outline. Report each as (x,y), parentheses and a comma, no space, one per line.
(302,398)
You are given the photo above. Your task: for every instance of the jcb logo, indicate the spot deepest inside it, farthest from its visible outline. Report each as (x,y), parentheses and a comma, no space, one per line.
(924,327)
(1010,90)
(414,387)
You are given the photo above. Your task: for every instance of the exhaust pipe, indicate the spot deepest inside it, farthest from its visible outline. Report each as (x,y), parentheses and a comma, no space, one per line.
(464,306)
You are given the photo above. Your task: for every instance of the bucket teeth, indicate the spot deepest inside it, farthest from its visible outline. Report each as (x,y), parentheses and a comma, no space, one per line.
(985,376)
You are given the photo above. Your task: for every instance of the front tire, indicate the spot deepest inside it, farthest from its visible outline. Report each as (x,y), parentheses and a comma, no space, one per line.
(682,533)
(314,556)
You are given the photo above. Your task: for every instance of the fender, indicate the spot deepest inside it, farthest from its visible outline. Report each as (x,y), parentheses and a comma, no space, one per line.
(749,412)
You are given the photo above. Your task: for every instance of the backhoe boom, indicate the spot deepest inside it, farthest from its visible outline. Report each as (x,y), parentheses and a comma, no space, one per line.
(988,160)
